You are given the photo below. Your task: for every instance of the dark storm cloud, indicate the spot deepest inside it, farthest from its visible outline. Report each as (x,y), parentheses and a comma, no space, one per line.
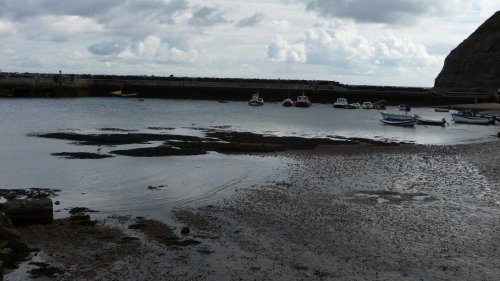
(251,21)
(375,11)
(207,16)
(105,48)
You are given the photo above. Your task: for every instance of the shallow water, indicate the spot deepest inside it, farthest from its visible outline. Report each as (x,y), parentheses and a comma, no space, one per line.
(150,186)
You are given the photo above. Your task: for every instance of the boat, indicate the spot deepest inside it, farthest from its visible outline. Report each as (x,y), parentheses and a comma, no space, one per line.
(441,109)
(404,107)
(397,116)
(287,103)
(120,93)
(256,100)
(380,104)
(470,117)
(433,122)
(403,123)
(355,105)
(302,101)
(341,103)
(367,105)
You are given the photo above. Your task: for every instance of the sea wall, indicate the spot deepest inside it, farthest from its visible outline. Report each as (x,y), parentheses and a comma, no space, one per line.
(70,85)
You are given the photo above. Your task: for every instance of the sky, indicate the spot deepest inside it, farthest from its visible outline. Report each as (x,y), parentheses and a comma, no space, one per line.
(357,42)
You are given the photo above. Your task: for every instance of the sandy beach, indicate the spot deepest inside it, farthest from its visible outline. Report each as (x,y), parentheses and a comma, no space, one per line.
(364,212)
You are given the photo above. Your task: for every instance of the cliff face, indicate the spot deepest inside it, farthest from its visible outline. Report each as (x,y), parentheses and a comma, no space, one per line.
(475,63)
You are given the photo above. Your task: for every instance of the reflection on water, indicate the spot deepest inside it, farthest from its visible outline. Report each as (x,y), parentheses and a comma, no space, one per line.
(121,184)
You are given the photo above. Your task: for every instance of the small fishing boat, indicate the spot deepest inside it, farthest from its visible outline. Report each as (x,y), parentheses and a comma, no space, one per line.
(355,105)
(256,100)
(432,122)
(341,103)
(397,116)
(367,105)
(302,101)
(403,123)
(470,117)
(120,93)
(287,103)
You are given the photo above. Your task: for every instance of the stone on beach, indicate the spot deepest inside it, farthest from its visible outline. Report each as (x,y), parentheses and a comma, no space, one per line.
(26,211)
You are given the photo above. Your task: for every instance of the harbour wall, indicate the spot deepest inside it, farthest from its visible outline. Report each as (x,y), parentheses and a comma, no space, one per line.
(273,90)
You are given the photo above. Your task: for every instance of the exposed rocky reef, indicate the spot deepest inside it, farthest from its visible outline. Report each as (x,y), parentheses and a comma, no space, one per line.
(475,63)
(222,141)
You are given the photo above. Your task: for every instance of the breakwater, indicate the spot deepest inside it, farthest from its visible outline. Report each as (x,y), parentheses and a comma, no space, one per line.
(273,90)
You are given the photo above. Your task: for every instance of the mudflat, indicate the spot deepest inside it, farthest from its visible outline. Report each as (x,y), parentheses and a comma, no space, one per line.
(347,212)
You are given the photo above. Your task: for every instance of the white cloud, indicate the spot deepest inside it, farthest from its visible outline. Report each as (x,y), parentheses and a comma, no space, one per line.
(379,41)
(6,28)
(281,51)
(149,46)
(281,25)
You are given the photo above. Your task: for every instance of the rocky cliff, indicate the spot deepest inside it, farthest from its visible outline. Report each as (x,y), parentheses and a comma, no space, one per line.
(475,63)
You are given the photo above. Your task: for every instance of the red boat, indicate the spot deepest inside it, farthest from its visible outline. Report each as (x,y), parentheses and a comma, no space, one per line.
(302,101)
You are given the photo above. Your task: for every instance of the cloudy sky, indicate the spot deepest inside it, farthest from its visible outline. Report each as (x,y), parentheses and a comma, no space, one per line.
(360,42)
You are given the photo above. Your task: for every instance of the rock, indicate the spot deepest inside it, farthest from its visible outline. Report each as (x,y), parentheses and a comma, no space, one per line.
(79,217)
(475,63)
(28,211)
(7,233)
(185,230)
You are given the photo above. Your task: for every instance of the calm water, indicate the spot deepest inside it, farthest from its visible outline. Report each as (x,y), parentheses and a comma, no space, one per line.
(120,184)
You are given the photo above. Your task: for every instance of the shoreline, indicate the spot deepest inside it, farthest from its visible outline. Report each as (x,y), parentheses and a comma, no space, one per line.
(333,219)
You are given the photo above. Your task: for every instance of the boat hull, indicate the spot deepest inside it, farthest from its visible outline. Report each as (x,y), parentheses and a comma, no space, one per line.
(422,121)
(397,116)
(471,119)
(401,123)
(302,104)
(255,103)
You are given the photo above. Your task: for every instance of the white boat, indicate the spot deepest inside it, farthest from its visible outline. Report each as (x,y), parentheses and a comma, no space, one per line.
(341,103)
(287,103)
(367,105)
(397,116)
(403,123)
(426,121)
(460,118)
(355,105)
(256,100)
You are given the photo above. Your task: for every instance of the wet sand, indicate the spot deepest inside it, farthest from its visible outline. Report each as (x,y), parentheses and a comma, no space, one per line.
(363,212)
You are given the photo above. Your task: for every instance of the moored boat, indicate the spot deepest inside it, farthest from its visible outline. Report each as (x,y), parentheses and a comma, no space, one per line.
(120,93)
(403,123)
(355,105)
(341,103)
(287,103)
(433,122)
(256,100)
(396,116)
(302,101)
(367,105)
(470,117)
